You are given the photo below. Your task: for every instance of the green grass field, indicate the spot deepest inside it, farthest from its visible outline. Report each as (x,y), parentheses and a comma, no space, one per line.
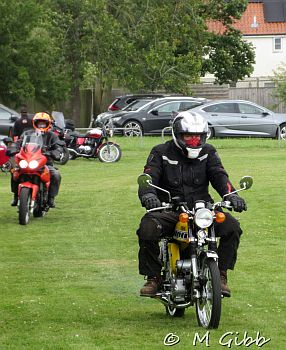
(70,280)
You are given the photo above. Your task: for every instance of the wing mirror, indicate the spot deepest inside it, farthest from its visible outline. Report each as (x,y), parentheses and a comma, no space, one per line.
(145,181)
(245,183)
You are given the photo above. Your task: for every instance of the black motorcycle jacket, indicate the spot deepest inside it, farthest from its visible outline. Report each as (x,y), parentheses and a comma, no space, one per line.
(187,178)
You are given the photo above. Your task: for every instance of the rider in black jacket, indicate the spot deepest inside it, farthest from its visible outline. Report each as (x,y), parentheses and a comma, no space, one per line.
(185,166)
(42,123)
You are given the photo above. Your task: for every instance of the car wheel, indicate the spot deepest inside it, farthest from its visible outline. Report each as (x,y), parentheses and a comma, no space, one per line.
(132,129)
(281,132)
(210,133)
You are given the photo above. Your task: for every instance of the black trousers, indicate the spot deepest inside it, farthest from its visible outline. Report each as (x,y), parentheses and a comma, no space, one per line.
(156,225)
(54,186)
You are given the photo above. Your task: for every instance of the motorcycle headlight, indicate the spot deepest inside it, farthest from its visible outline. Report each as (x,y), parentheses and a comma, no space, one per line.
(33,164)
(203,218)
(23,164)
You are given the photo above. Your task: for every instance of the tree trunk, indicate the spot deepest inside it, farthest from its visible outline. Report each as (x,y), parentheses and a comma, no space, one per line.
(75,106)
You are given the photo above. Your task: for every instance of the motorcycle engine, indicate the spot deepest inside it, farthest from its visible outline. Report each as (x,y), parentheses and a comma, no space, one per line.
(178,290)
(84,149)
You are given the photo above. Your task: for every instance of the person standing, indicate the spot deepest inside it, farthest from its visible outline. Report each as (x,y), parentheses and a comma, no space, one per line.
(22,124)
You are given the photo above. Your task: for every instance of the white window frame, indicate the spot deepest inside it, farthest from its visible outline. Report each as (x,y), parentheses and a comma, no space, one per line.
(274,44)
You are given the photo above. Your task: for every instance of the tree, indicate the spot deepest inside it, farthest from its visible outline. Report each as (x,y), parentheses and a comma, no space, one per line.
(280,80)
(29,64)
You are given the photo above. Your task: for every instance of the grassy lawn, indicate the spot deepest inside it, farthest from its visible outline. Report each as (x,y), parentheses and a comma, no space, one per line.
(70,281)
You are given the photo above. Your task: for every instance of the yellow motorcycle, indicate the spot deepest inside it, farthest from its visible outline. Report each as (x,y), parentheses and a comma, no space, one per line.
(189,258)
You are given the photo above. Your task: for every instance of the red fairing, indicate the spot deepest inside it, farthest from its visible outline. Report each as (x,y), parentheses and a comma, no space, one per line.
(29,153)
(3,157)
(34,188)
(228,187)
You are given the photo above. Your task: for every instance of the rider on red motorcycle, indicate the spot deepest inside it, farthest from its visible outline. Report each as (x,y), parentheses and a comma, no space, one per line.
(42,122)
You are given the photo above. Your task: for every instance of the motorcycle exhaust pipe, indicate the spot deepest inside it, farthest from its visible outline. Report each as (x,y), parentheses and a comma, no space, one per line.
(71,150)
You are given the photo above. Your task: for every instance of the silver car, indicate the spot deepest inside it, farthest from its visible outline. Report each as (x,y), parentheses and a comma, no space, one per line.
(241,118)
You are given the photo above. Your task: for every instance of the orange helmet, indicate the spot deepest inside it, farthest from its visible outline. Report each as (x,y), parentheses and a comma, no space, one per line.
(42,121)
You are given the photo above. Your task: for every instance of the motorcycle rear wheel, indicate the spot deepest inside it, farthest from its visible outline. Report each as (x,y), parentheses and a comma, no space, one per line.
(174,312)
(208,307)
(24,206)
(109,153)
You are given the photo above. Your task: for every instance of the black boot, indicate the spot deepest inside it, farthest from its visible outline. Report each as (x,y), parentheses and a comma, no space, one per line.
(14,200)
(51,202)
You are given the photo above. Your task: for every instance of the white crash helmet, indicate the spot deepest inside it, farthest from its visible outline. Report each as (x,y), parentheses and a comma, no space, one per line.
(194,125)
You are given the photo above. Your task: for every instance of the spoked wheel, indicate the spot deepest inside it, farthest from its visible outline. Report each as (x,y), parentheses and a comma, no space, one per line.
(208,307)
(109,153)
(132,129)
(25,201)
(174,312)
(65,156)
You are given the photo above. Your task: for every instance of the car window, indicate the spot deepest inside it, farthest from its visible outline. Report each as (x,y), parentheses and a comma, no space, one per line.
(4,114)
(249,109)
(220,108)
(184,106)
(169,107)
(133,106)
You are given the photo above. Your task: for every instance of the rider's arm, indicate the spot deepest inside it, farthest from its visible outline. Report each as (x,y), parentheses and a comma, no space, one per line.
(217,174)
(153,167)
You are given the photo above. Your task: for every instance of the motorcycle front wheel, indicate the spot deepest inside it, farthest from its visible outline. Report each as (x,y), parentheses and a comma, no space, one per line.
(24,206)
(65,156)
(208,306)
(109,153)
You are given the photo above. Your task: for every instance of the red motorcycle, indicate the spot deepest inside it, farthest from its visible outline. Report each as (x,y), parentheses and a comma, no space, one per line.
(33,176)
(93,144)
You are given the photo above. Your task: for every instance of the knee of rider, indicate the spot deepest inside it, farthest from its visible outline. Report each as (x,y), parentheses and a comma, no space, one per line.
(149,229)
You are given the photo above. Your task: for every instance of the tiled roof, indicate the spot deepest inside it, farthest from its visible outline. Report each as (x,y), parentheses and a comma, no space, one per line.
(252,22)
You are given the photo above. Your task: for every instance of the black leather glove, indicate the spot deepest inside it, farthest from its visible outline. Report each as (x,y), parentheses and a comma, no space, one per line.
(237,202)
(150,201)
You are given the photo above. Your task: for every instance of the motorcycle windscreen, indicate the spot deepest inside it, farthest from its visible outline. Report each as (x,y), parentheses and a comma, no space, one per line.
(32,140)
(59,119)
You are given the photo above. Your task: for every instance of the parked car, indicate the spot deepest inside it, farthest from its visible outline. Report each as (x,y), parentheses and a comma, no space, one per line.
(7,119)
(122,101)
(241,118)
(151,117)
(133,106)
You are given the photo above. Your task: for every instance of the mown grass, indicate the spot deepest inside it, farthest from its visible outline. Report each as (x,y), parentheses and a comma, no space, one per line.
(70,281)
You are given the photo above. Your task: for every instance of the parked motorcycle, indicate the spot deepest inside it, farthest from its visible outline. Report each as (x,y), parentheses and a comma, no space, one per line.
(93,144)
(33,176)
(59,128)
(189,258)
(6,162)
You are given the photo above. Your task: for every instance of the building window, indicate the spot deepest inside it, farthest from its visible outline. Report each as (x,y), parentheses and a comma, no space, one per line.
(277,44)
